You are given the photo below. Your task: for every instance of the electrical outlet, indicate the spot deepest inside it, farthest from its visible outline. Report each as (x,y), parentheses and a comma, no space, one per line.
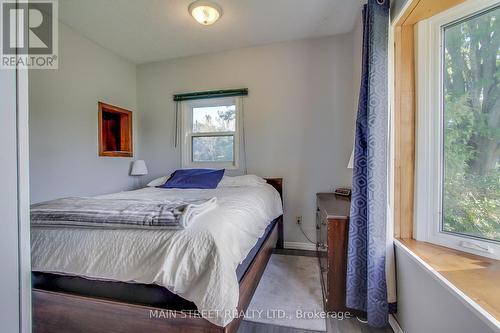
(299,219)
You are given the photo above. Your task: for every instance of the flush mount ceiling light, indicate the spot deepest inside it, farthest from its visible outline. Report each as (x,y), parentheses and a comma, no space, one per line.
(205,12)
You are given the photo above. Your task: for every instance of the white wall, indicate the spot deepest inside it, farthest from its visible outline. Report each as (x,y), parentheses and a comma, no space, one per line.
(298,115)
(425,305)
(397,7)
(9,239)
(63,120)
(357,44)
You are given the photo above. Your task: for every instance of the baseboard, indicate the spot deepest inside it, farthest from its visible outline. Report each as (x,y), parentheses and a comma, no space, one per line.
(300,246)
(394,324)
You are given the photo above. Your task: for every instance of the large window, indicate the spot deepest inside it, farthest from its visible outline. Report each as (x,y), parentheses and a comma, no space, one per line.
(211,133)
(459,128)
(471,138)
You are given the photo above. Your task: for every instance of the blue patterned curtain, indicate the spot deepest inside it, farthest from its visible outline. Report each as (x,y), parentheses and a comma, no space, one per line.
(367,246)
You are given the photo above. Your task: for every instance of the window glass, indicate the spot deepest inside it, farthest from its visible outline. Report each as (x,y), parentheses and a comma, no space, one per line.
(213,148)
(471,103)
(214,119)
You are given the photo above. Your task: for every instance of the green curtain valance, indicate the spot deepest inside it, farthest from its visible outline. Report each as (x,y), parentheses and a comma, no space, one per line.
(210,94)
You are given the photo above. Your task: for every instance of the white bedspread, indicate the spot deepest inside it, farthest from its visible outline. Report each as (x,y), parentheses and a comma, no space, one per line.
(198,263)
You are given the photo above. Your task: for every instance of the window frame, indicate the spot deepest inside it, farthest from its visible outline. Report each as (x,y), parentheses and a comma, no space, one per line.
(429,155)
(188,134)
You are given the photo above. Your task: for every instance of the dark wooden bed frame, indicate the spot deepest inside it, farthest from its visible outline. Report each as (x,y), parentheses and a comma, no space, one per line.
(58,312)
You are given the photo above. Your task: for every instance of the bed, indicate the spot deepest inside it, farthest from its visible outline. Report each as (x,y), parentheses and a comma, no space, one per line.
(152,292)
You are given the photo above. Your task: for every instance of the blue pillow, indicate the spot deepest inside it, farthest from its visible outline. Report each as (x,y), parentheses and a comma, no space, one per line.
(194,178)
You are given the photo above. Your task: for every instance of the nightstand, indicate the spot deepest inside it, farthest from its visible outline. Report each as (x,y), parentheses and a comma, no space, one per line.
(332,226)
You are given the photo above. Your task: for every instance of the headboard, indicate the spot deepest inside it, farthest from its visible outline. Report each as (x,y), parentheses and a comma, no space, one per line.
(277,183)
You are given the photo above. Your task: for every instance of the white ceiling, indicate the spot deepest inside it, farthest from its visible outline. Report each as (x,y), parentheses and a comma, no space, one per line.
(151,30)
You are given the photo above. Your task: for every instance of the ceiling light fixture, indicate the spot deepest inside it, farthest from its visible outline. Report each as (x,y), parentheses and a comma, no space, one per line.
(205,12)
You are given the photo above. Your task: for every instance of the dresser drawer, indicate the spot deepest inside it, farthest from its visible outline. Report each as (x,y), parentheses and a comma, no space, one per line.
(332,220)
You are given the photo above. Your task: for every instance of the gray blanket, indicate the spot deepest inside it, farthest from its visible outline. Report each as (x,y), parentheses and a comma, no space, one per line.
(118,213)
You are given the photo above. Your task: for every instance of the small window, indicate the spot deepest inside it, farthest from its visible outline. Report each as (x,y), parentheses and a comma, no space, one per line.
(211,133)
(115,131)
(458,152)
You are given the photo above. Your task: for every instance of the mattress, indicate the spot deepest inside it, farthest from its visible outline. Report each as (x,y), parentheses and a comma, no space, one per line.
(198,263)
(135,293)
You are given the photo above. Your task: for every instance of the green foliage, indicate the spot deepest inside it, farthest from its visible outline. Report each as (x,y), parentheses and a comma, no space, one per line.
(472,205)
(214,148)
(471,196)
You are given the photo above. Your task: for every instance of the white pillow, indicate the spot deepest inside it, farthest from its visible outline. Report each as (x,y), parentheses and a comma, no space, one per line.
(158,181)
(246,180)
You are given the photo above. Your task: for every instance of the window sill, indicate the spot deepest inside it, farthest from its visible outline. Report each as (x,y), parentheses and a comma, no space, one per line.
(472,278)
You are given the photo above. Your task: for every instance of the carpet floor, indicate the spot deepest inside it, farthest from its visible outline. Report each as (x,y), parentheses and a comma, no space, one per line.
(289,294)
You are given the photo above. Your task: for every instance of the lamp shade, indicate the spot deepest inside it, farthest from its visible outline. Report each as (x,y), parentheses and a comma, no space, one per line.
(139,168)
(350,165)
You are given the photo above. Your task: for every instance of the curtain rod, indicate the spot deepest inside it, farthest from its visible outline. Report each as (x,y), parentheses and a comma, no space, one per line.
(211,94)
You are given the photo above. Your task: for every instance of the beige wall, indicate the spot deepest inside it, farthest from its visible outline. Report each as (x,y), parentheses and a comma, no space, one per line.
(64,158)
(298,115)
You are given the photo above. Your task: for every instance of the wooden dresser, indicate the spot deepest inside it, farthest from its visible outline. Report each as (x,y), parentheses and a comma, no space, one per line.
(332,225)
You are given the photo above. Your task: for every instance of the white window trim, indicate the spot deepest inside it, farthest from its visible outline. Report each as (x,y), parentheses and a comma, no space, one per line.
(187,133)
(428,189)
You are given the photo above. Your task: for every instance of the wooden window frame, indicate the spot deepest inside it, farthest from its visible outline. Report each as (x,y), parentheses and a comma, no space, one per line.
(126,133)
(468,276)
(404,109)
